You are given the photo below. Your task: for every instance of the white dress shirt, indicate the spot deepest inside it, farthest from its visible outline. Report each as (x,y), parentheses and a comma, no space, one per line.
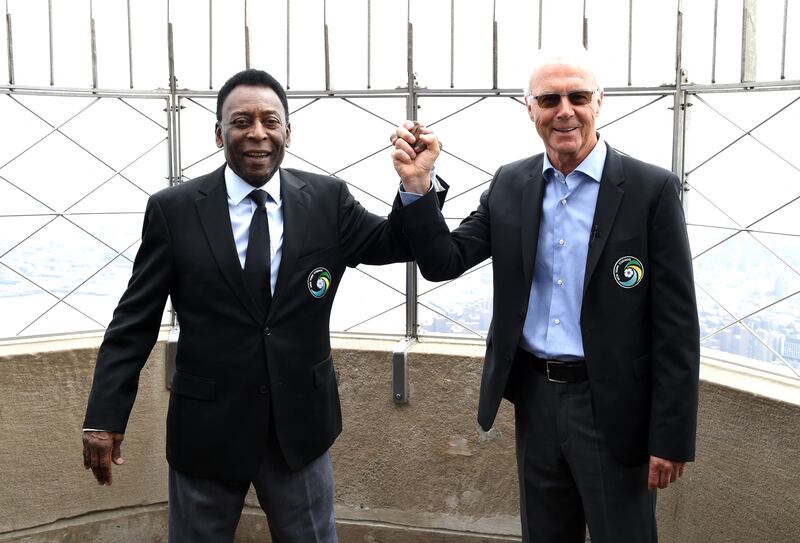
(241,209)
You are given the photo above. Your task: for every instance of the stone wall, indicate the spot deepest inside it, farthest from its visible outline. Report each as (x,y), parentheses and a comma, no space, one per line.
(43,391)
(420,472)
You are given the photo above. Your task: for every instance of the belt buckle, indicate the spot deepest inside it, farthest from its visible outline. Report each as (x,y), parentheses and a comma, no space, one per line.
(547,367)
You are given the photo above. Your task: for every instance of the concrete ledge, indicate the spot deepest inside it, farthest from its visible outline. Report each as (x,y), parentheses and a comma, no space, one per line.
(382,527)
(149,525)
(44,387)
(142,524)
(385,533)
(751,381)
(500,527)
(419,472)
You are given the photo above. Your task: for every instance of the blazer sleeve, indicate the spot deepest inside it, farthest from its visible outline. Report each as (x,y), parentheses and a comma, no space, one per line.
(675,332)
(134,327)
(367,238)
(440,253)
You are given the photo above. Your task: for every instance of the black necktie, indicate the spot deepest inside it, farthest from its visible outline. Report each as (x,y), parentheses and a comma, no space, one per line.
(257,261)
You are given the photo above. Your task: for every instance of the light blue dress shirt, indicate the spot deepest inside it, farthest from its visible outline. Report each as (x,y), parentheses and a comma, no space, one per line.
(552,326)
(407,198)
(241,209)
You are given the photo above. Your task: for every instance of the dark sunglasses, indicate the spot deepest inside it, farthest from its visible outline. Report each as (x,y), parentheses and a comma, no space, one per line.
(576,98)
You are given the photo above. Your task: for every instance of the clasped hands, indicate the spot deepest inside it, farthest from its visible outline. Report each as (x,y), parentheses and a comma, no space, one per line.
(415,150)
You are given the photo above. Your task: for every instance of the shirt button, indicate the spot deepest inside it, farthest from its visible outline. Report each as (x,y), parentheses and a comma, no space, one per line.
(561,242)
(556,321)
(267,331)
(263,389)
(564,202)
(559,282)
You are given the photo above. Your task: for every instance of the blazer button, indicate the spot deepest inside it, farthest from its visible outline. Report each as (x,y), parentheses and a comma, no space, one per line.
(263,389)
(267,331)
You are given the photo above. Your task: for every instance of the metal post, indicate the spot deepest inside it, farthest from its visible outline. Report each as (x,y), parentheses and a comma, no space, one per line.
(400,370)
(540,24)
(452,42)
(679,106)
(714,44)
(178,107)
(246,38)
(172,108)
(748,40)
(585,28)
(400,354)
(173,149)
(411,267)
(630,40)
(130,47)
(50,33)
(210,44)
(494,45)
(783,45)
(288,50)
(94,45)
(369,43)
(326,45)
(10,44)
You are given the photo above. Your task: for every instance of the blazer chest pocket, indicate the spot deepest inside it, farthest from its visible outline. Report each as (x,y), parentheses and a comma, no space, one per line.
(321,257)
(193,386)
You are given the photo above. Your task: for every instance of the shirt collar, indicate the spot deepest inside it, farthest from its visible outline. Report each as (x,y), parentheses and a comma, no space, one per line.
(238,188)
(591,166)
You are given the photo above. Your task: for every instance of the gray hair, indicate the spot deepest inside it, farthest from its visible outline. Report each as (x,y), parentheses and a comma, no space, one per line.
(574,56)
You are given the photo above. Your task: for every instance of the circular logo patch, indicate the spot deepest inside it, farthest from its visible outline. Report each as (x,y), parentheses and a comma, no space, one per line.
(628,272)
(319,281)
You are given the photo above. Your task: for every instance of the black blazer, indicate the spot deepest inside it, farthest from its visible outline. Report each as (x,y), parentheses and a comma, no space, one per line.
(641,344)
(233,362)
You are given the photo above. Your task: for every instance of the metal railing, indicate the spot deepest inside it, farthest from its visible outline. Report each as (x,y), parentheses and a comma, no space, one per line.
(682,93)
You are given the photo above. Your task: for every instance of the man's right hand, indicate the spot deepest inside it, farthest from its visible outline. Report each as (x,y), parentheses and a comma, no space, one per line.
(415,150)
(100,450)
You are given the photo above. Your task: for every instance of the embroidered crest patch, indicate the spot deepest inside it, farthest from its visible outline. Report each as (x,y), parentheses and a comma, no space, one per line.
(628,271)
(319,280)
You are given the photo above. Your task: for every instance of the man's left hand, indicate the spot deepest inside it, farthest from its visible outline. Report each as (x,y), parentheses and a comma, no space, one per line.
(415,150)
(663,472)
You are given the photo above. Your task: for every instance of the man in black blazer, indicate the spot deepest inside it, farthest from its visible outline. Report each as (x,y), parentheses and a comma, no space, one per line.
(595,335)
(254,397)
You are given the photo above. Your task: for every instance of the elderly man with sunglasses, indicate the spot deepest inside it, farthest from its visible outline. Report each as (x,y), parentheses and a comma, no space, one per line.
(594,337)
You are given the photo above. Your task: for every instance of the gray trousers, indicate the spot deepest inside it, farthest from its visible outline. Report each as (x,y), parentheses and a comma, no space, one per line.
(298,504)
(568,477)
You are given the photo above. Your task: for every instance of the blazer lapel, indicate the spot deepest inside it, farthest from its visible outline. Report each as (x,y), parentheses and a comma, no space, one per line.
(609,198)
(530,216)
(296,203)
(212,207)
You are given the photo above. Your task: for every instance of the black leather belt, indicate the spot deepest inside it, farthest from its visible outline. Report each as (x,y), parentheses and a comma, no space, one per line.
(557,371)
